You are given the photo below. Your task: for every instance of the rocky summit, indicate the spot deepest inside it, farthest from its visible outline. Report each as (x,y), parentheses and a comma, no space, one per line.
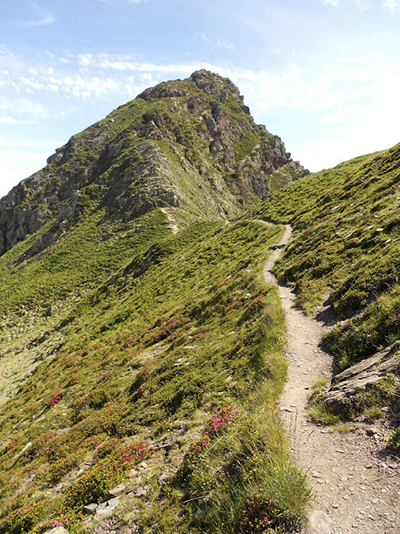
(190,145)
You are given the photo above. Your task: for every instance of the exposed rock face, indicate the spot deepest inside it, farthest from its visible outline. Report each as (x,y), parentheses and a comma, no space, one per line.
(360,376)
(191,145)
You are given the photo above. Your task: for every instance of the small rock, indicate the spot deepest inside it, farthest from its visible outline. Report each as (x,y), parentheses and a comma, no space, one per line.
(89,509)
(139,491)
(163,480)
(319,523)
(57,530)
(177,458)
(117,490)
(107,508)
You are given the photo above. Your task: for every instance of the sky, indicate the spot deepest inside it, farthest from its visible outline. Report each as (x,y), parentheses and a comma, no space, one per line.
(324,75)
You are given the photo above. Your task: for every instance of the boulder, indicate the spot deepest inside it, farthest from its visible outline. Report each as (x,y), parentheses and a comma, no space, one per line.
(360,376)
(107,508)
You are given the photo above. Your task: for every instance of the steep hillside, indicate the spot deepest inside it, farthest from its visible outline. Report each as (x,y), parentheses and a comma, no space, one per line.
(190,145)
(345,254)
(139,344)
(165,379)
(181,152)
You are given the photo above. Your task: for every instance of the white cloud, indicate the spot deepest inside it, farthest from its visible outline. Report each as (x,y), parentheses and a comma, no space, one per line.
(353,95)
(223,44)
(43,16)
(392,6)
(361,4)
(219,43)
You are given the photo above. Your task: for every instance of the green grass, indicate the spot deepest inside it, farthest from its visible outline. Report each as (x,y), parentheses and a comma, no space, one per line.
(245,145)
(173,330)
(346,245)
(318,389)
(320,413)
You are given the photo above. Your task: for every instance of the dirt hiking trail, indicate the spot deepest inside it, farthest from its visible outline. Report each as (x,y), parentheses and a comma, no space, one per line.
(354,480)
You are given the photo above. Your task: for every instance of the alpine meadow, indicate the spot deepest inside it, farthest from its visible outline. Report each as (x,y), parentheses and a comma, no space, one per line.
(142,352)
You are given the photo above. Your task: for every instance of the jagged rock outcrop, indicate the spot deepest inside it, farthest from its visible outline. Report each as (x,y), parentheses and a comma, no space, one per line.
(187,144)
(346,385)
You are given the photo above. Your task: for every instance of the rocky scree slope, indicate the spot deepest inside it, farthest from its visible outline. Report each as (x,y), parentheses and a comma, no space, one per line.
(188,144)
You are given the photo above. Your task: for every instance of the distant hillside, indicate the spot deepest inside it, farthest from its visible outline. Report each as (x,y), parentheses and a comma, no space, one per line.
(139,343)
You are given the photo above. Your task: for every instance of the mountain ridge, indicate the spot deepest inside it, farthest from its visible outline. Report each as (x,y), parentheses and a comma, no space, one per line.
(140,343)
(191,145)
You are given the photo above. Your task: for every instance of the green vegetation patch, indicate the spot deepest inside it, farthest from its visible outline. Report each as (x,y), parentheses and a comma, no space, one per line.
(346,248)
(246,144)
(169,368)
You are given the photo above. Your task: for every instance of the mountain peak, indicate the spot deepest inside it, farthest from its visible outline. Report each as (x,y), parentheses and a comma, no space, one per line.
(190,145)
(208,82)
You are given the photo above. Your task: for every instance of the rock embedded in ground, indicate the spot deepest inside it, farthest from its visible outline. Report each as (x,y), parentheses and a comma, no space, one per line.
(163,480)
(117,490)
(358,377)
(107,508)
(89,509)
(319,523)
(138,491)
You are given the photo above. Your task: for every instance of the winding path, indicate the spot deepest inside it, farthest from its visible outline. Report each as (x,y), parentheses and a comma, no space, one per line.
(352,479)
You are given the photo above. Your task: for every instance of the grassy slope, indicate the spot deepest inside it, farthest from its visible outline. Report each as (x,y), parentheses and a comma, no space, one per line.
(346,244)
(38,294)
(178,352)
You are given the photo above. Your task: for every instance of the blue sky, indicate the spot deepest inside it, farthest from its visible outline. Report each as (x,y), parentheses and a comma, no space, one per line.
(324,75)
